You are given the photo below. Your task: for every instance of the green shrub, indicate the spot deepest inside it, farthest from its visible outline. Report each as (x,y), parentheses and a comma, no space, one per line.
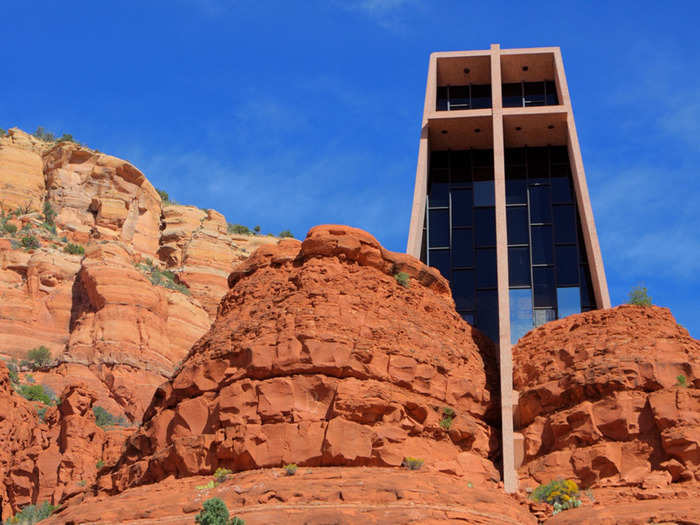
(165,198)
(238,228)
(291,469)
(29,242)
(682,381)
(37,393)
(105,419)
(49,213)
(8,228)
(51,228)
(166,279)
(639,296)
(221,474)
(44,135)
(41,413)
(561,494)
(402,278)
(209,485)
(39,357)
(412,463)
(32,514)
(215,513)
(99,464)
(2,132)
(286,233)
(29,378)
(448,414)
(66,137)
(256,229)
(13,370)
(74,249)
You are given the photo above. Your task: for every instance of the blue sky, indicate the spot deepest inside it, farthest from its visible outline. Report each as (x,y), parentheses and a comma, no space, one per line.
(291,114)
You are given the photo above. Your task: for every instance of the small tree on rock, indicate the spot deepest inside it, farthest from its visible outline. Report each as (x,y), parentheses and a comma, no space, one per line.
(639,296)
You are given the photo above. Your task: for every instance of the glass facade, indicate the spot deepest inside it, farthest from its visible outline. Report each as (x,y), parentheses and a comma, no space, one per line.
(473,96)
(547,264)
(525,94)
(460,233)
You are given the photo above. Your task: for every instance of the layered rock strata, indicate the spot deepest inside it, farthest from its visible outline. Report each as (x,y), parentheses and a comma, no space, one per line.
(320,357)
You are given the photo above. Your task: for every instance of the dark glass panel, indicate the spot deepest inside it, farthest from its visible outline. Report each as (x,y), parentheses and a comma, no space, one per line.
(559,154)
(561,189)
(462,248)
(567,265)
(484,193)
(468,317)
(442,99)
(438,190)
(551,90)
(482,157)
(543,286)
(568,301)
(485,227)
(518,228)
(462,207)
(424,248)
(520,313)
(534,93)
(439,159)
(440,259)
(512,95)
(519,266)
(459,96)
(486,274)
(540,204)
(439,228)
(564,223)
(481,96)
(462,285)
(542,245)
(587,294)
(516,186)
(515,156)
(487,313)
(537,165)
(459,167)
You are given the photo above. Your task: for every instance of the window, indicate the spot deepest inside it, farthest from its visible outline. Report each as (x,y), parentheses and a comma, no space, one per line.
(568,301)
(516,217)
(462,249)
(567,265)
(438,191)
(487,313)
(534,93)
(463,289)
(540,204)
(485,226)
(543,287)
(521,321)
(481,96)
(459,97)
(542,245)
(462,207)
(463,97)
(440,259)
(544,315)
(519,266)
(439,228)
(565,224)
(459,167)
(441,99)
(516,185)
(486,275)
(561,184)
(550,90)
(512,95)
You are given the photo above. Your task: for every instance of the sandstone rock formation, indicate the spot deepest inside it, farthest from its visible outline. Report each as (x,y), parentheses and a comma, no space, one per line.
(610,397)
(53,459)
(318,357)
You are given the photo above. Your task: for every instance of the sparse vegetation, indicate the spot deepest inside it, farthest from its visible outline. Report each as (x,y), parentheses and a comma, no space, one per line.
(221,474)
(44,135)
(38,357)
(82,483)
(74,249)
(49,213)
(13,369)
(2,133)
(286,233)
(561,494)
(206,486)
(29,242)
(164,278)
(639,296)
(682,381)
(104,419)
(290,469)
(99,464)
(238,228)
(214,512)
(41,413)
(256,229)
(402,278)
(66,137)
(37,393)
(165,198)
(412,463)
(448,414)
(32,514)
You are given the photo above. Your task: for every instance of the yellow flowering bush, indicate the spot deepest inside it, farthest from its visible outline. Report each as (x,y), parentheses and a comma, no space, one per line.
(562,494)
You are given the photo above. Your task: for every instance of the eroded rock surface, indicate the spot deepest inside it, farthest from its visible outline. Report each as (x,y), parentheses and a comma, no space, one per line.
(319,356)
(610,397)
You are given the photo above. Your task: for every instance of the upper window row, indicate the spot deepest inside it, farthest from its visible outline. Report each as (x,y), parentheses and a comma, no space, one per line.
(519,94)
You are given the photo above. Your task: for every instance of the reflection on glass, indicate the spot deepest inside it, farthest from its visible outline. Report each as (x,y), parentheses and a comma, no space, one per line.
(519,266)
(568,301)
(543,287)
(439,228)
(462,248)
(521,321)
(544,316)
(461,207)
(487,313)
(440,259)
(516,218)
(468,317)
(463,289)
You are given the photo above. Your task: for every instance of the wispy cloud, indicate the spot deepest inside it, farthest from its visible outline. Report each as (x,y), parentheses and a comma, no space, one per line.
(389,14)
